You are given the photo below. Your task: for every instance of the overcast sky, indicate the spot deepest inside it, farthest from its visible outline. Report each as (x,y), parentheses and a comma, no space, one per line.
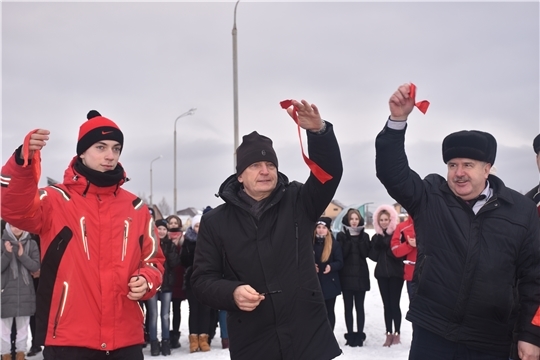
(144,64)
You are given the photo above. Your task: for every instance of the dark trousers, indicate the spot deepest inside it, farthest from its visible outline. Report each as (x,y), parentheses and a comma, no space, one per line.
(428,345)
(177,314)
(330,304)
(199,315)
(356,298)
(390,289)
(80,353)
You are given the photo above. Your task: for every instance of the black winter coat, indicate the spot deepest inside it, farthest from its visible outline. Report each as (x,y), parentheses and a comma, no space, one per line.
(272,252)
(355,273)
(187,256)
(387,264)
(172,259)
(469,265)
(330,284)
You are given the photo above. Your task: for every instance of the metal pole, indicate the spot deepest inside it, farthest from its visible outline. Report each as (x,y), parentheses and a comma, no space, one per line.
(235,86)
(151,197)
(189,112)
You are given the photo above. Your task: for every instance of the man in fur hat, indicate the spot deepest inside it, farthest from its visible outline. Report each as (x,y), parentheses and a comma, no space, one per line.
(478,265)
(254,255)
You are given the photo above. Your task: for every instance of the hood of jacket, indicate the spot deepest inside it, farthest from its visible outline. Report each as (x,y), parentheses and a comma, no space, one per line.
(394,219)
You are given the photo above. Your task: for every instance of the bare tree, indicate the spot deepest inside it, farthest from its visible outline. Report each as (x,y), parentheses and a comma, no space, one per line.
(143,198)
(164,207)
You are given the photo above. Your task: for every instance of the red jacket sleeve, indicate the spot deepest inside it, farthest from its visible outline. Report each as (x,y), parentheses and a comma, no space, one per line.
(152,259)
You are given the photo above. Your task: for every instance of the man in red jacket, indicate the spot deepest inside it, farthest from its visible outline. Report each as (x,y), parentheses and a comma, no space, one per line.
(100,250)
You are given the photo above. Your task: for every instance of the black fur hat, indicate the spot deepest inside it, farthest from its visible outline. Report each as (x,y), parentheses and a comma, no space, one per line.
(470,144)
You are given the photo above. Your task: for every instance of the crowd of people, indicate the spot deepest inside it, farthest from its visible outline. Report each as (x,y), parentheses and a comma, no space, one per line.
(265,259)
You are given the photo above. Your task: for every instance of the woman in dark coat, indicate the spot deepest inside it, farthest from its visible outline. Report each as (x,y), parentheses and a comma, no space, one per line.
(355,274)
(199,314)
(389,270)
(328,262)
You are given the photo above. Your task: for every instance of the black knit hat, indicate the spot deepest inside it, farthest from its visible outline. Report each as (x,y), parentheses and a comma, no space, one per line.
(97,128)
(326,221)
(254,148)
(161,222)
(536,144)
(470,144)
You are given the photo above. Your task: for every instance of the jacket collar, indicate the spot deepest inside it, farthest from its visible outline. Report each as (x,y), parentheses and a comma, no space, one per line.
(500,191)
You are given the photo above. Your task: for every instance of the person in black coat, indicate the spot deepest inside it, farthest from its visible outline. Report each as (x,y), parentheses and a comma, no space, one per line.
(478,264)
(355,274)
(389,270)
(328,262)
(254,255)
(199,313)
(534,193)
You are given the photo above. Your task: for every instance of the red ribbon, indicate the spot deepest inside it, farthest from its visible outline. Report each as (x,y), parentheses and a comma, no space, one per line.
(319,173)
(36,159)
(421,105)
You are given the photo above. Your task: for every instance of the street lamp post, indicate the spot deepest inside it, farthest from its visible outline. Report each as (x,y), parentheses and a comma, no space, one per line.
(235,86)
(151,162)
(189,112)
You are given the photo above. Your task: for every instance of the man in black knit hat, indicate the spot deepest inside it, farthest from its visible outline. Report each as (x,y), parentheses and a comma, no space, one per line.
(100,250)
(478,264)
(254,255)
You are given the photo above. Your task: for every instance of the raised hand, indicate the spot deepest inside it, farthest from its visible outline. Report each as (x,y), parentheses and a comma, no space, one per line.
(401,104)
(308,115)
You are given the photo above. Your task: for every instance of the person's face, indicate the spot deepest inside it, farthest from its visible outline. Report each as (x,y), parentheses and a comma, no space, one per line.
(196,227)
(102,156)
(259,179)
(173,223)
(384,221)
(322,230)
(467,177)
(162,231)
(16,231)
(538,161)
(354,220)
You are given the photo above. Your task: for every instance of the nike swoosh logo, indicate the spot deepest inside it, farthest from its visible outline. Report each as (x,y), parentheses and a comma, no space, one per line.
(106,132)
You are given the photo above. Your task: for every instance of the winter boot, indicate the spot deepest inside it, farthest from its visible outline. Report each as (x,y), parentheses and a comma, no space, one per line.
(351,341)
(224,343)
(20,355)
(34,350)
(396,340)
(6,357)
(203,342)
(357,339)
(193,343)
(154,348)
(165,347)
(389,339)
(175,339)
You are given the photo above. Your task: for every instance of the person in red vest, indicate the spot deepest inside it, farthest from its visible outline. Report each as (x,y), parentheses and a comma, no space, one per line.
(403,244)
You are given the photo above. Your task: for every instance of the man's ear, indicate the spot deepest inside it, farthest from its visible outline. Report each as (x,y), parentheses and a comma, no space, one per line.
(239,178)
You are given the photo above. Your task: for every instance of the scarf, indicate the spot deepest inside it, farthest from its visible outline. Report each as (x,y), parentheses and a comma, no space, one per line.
(98,178)
(14,263)
(354,231)
(191,235)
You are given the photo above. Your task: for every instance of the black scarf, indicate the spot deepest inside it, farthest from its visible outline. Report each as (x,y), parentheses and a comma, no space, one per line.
(98,178)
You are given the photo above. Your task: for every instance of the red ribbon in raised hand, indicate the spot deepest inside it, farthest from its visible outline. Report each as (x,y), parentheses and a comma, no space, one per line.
(319,173)
(36,159)
(421,105)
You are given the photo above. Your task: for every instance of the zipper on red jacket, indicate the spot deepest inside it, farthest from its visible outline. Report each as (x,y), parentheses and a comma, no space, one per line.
(61,305)
(84,237)
(125,242)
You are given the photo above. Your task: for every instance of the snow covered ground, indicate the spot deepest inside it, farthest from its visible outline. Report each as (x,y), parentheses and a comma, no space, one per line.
(374,329)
